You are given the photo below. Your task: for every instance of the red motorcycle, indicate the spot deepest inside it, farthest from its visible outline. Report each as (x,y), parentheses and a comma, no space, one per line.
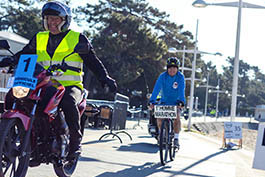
(33,127)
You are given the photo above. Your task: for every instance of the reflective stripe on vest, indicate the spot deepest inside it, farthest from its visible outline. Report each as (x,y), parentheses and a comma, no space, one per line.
(65,47)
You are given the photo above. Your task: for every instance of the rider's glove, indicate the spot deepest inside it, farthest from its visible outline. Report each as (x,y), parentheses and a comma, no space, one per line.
(151,102)
(111,83)
(7,61)
(180,103)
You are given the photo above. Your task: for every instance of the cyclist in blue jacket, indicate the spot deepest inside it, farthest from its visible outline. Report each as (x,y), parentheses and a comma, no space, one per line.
(171,85)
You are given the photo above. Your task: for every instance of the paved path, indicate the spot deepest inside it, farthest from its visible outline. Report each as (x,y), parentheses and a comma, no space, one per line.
(199,156)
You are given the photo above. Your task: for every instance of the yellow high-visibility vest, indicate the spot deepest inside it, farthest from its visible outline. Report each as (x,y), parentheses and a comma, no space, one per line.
(65,47)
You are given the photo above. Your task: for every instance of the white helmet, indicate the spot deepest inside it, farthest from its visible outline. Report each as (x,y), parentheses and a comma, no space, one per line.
(58,9)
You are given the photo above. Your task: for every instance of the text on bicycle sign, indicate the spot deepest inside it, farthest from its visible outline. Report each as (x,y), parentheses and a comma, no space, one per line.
(165,111)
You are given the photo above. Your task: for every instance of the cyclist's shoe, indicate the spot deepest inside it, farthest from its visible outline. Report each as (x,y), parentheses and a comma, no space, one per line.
(176,143)
(34,162)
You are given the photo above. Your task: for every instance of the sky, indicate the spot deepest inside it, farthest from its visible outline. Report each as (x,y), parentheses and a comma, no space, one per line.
(217,27)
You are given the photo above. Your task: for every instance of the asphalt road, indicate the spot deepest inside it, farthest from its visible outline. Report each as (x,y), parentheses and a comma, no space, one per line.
(198,156)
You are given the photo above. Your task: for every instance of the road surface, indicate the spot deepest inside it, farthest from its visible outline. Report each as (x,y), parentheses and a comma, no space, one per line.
(199,156)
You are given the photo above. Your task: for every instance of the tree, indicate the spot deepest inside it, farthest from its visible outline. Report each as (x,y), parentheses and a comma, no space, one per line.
(21,17)
(251,87)
(213,81)
(130,38)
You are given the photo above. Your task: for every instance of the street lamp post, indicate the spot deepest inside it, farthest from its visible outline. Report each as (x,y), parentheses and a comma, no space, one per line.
(236,64)
(240,5)
(183,59)
(193,77)
(238,95)
(207,86)
(206,97)
(195,51)
(217,99)
(218,91)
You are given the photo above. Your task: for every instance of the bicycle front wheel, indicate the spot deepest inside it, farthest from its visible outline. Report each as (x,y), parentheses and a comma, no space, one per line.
(172,150)
(164,142)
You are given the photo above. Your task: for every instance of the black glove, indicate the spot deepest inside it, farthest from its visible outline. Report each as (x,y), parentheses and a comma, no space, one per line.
(111,83)
(7,62)
(180,103)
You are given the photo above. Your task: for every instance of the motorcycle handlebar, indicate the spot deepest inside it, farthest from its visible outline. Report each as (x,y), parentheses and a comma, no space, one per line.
(62,67)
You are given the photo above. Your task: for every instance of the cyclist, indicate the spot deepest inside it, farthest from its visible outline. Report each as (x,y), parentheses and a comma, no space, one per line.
(171,85)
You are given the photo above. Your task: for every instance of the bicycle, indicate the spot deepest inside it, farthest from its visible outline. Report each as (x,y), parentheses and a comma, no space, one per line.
(166,136)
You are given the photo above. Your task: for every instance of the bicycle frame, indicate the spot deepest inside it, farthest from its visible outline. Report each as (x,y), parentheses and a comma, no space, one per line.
(166,137)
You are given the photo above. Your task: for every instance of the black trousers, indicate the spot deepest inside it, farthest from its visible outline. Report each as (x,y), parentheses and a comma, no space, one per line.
(69,105)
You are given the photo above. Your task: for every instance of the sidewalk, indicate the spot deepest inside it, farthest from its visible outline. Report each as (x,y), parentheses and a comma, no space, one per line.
(198,156)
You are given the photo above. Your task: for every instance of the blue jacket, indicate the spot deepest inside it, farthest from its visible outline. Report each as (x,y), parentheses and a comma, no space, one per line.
(171,88)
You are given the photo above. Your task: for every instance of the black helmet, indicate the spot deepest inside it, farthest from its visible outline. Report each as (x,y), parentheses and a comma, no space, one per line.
(173,61)
(58,9)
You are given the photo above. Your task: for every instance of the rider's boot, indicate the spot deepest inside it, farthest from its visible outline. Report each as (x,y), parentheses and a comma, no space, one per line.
(75,149)
(74,154)
(34,162)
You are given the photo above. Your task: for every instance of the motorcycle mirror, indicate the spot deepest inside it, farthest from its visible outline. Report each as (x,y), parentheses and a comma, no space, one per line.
(4,45)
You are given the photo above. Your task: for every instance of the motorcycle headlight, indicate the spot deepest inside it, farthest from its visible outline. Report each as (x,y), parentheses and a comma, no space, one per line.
(20,92)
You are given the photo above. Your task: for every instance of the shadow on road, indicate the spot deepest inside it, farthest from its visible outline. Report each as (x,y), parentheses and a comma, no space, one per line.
(201,161)
(87,159)
(145,137)
(151,168)
(135,171)
(97,141)
(140,147)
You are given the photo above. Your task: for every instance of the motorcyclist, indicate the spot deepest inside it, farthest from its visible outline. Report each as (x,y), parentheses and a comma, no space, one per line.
(51,46)
(171,85)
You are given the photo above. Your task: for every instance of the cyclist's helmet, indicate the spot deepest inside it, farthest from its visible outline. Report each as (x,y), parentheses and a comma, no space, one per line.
(173,61)
(58,9)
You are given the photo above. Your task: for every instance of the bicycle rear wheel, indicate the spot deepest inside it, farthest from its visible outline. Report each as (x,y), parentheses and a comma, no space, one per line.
(163,144)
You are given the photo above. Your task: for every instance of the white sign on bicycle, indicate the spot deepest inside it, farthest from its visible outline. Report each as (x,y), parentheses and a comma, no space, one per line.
(165,112)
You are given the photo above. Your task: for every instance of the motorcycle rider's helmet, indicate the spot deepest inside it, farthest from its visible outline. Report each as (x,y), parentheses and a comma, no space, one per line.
(173,61)
(57,9)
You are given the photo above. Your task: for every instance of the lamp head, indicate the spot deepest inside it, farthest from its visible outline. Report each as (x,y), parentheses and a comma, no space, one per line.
(218,53)
(172,50)
(199,3)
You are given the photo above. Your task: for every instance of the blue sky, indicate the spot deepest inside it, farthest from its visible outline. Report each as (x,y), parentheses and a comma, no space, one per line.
(217,28)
